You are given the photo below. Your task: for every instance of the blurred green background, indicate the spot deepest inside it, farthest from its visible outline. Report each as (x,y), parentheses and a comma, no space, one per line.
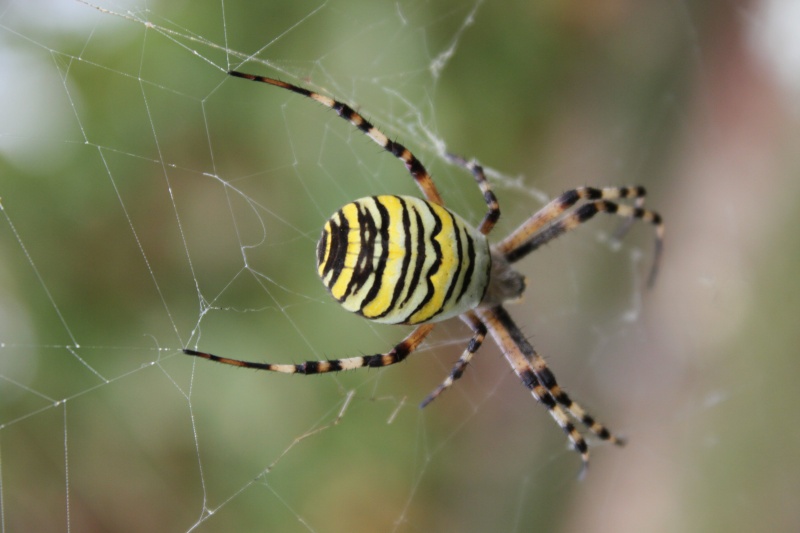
(150,202)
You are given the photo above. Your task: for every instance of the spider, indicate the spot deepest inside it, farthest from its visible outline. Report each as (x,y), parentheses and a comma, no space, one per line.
(404,260)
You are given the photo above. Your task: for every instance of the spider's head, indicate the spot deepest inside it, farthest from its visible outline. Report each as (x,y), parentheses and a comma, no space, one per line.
(505,283)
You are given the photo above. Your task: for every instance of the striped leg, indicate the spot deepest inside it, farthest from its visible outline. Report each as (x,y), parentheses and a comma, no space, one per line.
(479,333)
(533,371)
(548,380)
(626,224)
(397,354)
(415,168)
(493,214)
(545,225)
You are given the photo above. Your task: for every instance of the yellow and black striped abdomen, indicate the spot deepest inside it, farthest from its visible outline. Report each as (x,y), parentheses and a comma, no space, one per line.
(402,260)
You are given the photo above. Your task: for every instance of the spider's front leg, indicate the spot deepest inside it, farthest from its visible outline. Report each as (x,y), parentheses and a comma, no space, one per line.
(557,218)
(493,206)
(413,165)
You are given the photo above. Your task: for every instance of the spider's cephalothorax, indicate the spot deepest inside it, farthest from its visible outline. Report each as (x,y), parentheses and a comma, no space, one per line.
(405,260)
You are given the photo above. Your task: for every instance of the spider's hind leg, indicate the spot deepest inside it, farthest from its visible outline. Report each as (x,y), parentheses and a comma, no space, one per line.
(532,370)
(479,334)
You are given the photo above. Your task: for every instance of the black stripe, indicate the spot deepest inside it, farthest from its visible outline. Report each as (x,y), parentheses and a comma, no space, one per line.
(437,263)
(348,113)
(549,380)
(338,247)
(373,360)
(568,199)
(419,263)
(562,397)
(406,247)
(592,194)
(384,241)
(299,90)
(584,213)
(547,399)
(415,167)
(315,367)
(395,148)
(399,353)
(494,210)
(412,164)
(309,367)
(516,335)
(367,233)
(580,444)
(459,261)
(529,379)
(470,259)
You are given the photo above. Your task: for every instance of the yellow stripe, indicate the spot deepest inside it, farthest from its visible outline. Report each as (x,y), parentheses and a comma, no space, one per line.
(354,301)
(394,262)
(441,279)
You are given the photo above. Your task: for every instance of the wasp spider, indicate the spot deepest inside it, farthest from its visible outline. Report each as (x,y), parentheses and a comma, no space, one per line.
(405,260)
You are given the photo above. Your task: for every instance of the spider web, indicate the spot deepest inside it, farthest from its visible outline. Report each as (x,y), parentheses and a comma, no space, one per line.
(150,202)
